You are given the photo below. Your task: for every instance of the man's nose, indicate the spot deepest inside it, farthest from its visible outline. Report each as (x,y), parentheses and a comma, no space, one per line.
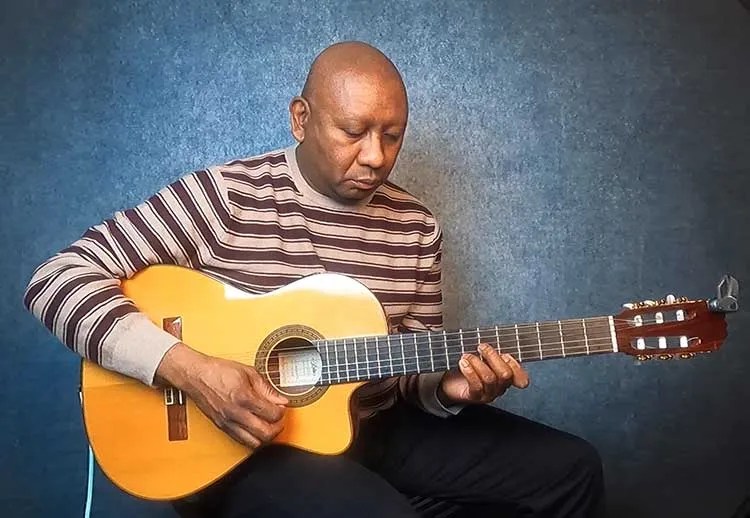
(371,154)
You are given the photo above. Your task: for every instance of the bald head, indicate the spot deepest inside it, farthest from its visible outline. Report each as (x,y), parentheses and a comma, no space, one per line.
(349,121)
(346,59)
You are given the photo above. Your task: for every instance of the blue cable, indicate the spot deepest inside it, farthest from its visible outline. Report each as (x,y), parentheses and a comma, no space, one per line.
(89,485)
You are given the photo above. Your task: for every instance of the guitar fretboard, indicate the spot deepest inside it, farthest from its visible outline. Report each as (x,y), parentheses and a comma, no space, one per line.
(374,357)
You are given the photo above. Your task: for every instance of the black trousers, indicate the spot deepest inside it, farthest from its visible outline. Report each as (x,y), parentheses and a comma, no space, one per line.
(492,462)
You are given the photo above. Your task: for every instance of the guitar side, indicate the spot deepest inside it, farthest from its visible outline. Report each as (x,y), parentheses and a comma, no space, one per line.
(127,423)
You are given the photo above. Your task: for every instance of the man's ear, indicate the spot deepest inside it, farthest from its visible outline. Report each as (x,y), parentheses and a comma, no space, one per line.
(299,114)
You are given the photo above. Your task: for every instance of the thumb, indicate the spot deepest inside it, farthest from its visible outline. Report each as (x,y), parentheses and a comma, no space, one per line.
(266,389)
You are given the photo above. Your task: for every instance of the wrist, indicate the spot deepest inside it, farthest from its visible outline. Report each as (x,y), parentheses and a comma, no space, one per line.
(442,397)
(178,366)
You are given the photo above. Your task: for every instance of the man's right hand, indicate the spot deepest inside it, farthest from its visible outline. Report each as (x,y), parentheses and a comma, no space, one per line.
(234,396)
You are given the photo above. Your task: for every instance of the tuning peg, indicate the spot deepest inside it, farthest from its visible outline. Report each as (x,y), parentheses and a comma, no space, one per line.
(670,299)
(686,356)
(629,305)
(665,356)
(649,303)
(644,357)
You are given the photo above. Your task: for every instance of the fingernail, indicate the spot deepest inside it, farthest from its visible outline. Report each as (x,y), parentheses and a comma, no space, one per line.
(464,363)
(506,357)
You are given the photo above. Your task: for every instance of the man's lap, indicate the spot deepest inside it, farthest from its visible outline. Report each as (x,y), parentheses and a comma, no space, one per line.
(483,456)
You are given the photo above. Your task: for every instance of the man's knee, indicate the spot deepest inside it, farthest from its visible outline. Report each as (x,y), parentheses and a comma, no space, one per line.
(586,479)
(584,458)
(588,462)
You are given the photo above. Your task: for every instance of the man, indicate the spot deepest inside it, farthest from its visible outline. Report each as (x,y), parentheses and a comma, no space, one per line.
(323,205)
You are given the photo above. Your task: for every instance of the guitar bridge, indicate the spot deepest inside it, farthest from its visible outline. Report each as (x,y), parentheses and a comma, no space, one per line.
(174,399)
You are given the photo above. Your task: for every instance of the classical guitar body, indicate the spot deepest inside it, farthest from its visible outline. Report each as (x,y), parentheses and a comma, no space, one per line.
(155,443)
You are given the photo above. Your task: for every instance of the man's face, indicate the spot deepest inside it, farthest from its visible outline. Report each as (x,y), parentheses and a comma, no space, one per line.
(353,135)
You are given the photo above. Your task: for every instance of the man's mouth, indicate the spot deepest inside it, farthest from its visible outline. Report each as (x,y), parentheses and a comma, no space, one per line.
(365,184)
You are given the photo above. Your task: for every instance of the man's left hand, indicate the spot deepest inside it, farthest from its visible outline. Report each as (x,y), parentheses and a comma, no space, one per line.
(481,379)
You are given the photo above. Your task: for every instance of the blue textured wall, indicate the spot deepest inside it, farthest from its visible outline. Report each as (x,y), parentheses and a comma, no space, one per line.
(580,155)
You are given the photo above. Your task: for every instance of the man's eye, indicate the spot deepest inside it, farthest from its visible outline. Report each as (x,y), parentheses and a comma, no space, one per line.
(353,133)
(393,136)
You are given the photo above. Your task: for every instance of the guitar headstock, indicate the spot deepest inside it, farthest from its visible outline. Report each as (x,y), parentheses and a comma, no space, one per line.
(676,326)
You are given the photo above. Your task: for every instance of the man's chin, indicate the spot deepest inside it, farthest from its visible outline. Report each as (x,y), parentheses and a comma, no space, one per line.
(353,195)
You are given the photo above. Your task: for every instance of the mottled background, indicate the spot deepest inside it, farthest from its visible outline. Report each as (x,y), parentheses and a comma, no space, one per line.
(580,154)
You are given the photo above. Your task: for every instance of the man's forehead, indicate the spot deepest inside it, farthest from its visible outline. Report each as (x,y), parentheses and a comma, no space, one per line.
(351,89)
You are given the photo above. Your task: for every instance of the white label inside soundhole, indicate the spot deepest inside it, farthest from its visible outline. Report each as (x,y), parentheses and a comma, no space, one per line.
(299,368)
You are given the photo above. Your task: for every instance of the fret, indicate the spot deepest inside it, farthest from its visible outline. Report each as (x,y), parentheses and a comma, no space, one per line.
(613,335)
(377,354)
(440,362)
(429,346)
(562,340)
(518,344)
(497,339)
(356,359)
(585,335)
(539,341)
(528,341)
(346,360)
(416,352)
(326,367)
(445,342)
(479,338)
(403,356)
(425,342)
(599,335)
(353,363)
(390,355)
(367,359)
(573,338)
(360,350)
(336,352)
(412,359)
(461,337)
(552,345)
(384,346)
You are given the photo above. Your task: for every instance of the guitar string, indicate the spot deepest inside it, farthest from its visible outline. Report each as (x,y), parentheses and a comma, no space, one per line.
(446,337)
(400,360)
(441,345)
(515,331)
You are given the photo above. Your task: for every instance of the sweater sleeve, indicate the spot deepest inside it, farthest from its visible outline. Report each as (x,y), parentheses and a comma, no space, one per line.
(426,314)
(76,293)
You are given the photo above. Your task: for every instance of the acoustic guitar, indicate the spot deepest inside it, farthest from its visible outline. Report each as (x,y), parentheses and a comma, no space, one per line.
(316,340)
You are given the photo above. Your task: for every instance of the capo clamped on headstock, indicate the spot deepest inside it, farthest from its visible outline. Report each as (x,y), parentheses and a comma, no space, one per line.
(727,293)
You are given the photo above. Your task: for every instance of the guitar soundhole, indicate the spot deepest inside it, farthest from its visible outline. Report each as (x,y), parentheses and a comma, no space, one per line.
(292,364)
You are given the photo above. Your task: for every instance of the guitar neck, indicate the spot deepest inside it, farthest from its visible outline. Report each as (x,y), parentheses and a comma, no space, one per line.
(375,357)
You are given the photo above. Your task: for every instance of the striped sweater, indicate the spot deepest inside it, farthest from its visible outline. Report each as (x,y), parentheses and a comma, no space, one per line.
(257,224)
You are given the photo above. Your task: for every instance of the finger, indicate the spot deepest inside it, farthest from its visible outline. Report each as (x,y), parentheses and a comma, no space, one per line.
(520,376)
(475,384)
(241,435)
(492,384)
(260,429)
(501,368)
(264,388)
(259,405)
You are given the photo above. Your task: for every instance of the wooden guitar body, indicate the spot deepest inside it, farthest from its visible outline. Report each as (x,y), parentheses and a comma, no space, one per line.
(127,423)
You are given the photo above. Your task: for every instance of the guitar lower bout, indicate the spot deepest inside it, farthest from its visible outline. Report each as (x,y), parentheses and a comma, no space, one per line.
(154,443)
